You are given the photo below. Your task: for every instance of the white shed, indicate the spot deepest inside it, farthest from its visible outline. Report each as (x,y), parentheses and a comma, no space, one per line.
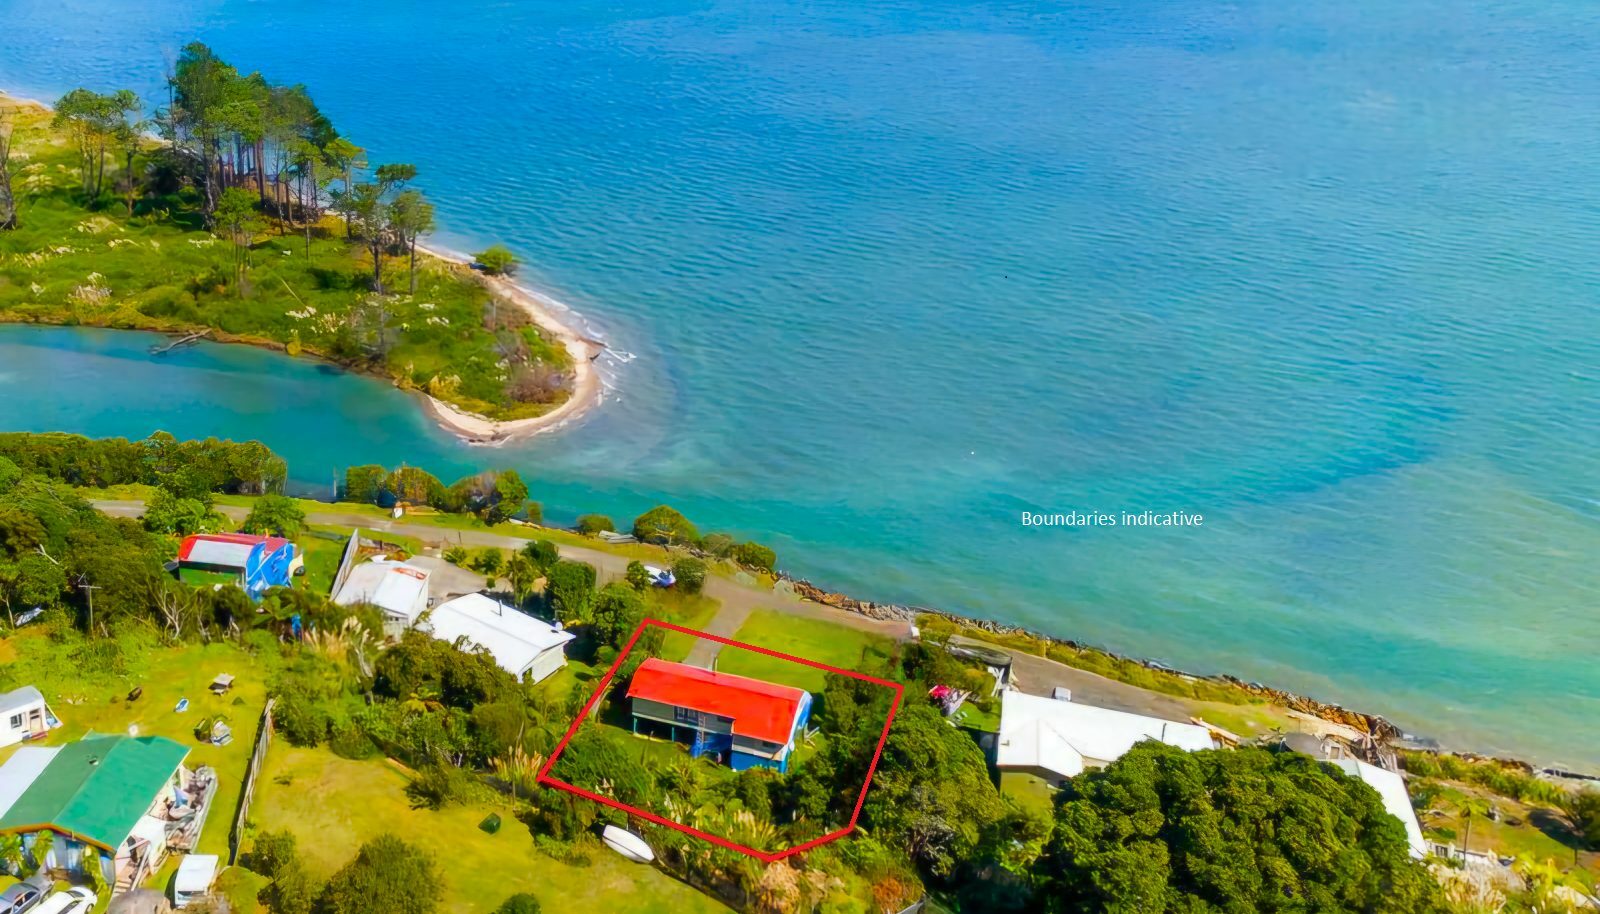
(22,716)
(398,590)
(522,645)
(1057,739)
(196,873)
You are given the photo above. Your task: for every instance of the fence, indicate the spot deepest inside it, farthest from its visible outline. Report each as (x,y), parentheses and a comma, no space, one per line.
(257,758)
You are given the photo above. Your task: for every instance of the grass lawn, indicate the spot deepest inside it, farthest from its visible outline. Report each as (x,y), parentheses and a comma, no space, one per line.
(825,642)
(333,805)
(1246,721)
(1032,792)
(694,612)
(975,718)
(1516,833)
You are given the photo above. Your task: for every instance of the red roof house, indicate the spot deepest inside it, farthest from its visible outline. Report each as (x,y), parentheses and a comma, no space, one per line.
(749,721)
(259,561)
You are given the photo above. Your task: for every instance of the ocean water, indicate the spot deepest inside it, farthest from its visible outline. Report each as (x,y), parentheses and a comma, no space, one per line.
(892,274)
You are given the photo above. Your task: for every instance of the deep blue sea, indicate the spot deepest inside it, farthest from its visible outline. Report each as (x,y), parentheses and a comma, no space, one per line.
(891,274)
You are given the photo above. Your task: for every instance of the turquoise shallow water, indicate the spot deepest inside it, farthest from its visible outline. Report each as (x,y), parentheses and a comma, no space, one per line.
(894,273)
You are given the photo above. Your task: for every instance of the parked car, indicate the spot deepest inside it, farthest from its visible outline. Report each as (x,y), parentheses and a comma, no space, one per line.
(25,895)
(76,900)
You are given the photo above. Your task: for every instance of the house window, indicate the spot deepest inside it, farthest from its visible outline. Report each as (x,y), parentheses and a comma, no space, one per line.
(16,721)
(686,716)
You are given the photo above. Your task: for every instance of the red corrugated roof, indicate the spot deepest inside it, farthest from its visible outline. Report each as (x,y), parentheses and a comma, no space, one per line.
(760,710)
(273,543)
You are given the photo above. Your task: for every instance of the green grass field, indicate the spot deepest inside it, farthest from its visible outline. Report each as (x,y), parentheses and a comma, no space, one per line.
(333,805)
(824,642)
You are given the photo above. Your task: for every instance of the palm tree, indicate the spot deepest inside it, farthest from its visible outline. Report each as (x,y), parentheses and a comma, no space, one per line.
(1471,807)
(11,857)
(42,842)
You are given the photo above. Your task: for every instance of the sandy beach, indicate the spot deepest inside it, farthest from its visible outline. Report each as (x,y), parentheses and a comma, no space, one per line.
(586,387)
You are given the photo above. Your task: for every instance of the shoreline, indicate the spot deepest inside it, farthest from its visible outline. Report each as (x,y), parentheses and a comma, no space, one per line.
(587,391)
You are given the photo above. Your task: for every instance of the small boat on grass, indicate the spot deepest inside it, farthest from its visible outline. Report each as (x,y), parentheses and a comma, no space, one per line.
(182,706)
(660,577)
(627,844)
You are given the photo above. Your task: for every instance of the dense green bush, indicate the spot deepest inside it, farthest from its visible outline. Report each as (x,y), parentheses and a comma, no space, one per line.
(718,545)
(755,555)
(214,465)
(543,554)
(497,260)
(637,576)
(595,524)
(664,525)
(457,555)
(387,876)
(690,574)
(521,903)
(366,484)
(570,589)
(275,515)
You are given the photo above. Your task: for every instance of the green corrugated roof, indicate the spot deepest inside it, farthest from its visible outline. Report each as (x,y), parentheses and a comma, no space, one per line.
(98,787)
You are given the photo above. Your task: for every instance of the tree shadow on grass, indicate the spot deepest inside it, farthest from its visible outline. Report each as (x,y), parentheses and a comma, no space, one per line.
(1557,826)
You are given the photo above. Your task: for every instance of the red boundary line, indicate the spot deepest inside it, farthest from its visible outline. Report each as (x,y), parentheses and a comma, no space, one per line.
(546,780)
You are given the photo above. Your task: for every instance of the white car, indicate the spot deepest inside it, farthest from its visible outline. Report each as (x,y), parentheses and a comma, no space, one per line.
(76,900)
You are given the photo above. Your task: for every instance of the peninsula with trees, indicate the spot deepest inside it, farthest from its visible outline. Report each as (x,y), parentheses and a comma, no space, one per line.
(234,209)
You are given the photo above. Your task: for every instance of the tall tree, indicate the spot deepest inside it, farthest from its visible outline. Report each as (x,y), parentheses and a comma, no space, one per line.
(202,85)
(410,215)
(8,200)
(369,214)
(95,122)
(345,159)
(236,217)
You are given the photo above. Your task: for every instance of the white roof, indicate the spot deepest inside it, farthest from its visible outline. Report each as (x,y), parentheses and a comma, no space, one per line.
(1060,736)
(20,699)
(513,637)
(394,587)
(1391,789)
(20,770)
(196,872)
(220,553)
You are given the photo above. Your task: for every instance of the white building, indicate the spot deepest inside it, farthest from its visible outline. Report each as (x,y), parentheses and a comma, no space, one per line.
(23,715)
(523,646)
(1055,740)
(398,590)
(1391,789)
(196,874)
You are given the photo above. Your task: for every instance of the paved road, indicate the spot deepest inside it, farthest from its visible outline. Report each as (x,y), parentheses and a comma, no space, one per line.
(1032,674)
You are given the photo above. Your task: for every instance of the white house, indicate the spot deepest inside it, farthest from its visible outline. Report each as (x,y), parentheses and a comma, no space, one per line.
(523,646)
(23,715)
(398,590)
(1391,789)
(1056,739)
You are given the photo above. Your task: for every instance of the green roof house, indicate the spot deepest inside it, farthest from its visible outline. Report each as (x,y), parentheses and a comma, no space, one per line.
(121,801)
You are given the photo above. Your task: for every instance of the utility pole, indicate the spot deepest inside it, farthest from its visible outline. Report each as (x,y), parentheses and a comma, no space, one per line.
(88,590)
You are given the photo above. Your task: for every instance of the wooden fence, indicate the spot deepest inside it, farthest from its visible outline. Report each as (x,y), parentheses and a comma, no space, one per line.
(248,789)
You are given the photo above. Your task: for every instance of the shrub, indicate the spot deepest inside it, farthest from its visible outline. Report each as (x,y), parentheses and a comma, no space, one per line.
(439,785)
(690,573)
(387,876)
(534,512)
(719,545)
(521,903)
(755,555)
(488,560)
(664,525)
(543,554)
(1585,812)
(595,524)
(276,515)
(570,587)
(365,483)
(497,260)
(456,555)
(300,719)
(636,576)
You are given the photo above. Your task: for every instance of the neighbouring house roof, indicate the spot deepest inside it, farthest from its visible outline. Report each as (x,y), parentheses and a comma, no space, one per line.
(227,550)
(1391,789)
(1059,736)
(19,699)
(393,587)
(513,637)
(760,710)
(97,788)
(20,771)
